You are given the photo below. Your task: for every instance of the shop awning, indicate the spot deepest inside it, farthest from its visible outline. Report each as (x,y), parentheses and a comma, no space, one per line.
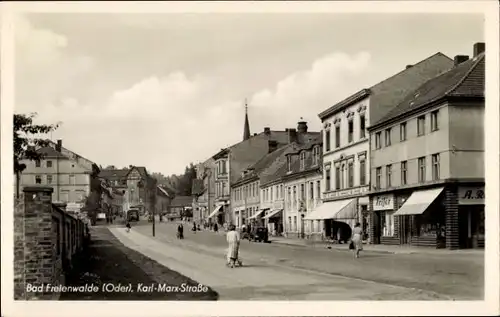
(216,210)
(339,209)
(272,213)
(418,202)
(257,214)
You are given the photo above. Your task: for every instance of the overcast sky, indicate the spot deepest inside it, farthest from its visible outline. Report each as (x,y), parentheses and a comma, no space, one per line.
(164,90)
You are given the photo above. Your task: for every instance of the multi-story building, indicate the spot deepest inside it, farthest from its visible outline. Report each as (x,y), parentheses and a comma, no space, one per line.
(232,161)
(203,191)
(69,174)
(245,192)
(346,177)
(136,182)
(302,190)
(427,158)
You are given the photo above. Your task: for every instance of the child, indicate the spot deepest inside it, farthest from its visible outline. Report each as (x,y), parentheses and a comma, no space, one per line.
(128,226)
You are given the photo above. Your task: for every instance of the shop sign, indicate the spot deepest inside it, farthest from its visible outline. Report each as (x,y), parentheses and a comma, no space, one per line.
(277,205)
(471,195)
(347,192)
(383,202)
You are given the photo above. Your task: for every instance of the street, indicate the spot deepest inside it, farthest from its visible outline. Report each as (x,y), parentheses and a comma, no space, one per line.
(276,271)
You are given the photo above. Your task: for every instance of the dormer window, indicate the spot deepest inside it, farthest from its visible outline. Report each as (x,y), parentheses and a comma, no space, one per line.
(302,160)
(289,163)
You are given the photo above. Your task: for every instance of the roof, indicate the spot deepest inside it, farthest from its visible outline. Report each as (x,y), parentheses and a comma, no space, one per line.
(466,80)
(263,163)
(316,140)
(163,191)
(182,201)
(114,174)
(49,152)
(278,168)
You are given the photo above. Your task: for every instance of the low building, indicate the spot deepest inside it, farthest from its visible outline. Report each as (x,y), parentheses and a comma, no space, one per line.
(346,160)
(427,158)
(163,201)
(181,208)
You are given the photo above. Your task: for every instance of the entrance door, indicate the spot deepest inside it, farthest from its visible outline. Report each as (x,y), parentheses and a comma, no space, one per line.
(464,229)
(376,226)
(405,229)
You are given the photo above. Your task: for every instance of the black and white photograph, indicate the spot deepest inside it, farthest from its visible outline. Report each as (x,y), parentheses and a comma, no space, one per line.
(242,154)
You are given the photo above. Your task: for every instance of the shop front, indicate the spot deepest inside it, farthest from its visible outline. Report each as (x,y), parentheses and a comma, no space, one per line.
(383,216)
(273,218)
(217,215)
(256,220)
(471,202)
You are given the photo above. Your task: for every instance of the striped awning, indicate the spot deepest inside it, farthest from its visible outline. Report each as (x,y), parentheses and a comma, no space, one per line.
(257,214)
(272,213)
(418,202)
(216,210)
(339,209)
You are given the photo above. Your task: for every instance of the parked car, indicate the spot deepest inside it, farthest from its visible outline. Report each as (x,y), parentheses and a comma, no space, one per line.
(260,234)
(133,215)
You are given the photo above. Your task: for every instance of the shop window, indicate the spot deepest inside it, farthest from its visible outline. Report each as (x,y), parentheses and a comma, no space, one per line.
(387,223)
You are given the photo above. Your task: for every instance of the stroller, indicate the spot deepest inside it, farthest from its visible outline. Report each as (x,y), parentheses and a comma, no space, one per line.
(234,258)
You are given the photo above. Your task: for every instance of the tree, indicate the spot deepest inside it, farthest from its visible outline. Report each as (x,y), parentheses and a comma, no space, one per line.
(26,144)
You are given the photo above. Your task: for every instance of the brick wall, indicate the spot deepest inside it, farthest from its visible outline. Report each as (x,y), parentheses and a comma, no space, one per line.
(46,239)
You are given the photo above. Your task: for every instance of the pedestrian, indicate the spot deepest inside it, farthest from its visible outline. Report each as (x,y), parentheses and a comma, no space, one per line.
(216,228)
(128,226)
(233,241)
(180,231)
(357,239)
(194,227)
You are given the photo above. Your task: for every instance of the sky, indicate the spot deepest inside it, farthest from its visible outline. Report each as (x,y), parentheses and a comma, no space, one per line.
(167,89)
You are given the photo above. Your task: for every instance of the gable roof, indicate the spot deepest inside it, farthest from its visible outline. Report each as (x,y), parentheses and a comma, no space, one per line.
(278,168)
(49,152)
(114,174)
(465,80)
(255,169)
(182,201)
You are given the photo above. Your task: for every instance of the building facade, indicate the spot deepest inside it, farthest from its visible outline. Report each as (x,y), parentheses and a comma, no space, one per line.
(427,159)
(204,191)
(346,159)
(67,173)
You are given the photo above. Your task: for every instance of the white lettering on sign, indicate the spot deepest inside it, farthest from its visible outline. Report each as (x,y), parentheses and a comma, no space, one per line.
(471,195)
(384,202)
(347,192)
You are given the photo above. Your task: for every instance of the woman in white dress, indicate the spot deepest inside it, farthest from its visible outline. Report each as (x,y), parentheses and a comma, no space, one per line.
(357,239)
(233,240)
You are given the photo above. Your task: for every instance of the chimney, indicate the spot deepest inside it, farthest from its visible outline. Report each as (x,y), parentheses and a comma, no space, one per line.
(272,146)
(302,127)
(409,66)
(267,130)
(59,146)
(459,59)
(292,136)
(478,48)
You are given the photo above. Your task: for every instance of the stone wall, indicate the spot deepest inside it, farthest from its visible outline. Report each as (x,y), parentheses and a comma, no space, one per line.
(46,239)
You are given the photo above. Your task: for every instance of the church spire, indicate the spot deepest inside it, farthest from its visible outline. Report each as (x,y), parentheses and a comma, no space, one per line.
(246,129)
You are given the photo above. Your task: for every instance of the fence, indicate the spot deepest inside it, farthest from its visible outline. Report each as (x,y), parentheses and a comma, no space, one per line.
(47,242)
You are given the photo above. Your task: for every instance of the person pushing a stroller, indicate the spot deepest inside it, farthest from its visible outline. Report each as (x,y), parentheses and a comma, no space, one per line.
(233,240)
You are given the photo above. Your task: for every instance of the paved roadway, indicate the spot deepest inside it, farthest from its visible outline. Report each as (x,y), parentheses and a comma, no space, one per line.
(277,271)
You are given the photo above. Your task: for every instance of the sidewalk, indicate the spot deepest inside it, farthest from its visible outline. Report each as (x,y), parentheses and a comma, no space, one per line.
(379,248)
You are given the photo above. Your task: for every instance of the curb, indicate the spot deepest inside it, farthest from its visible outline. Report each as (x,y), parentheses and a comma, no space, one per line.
(339,249)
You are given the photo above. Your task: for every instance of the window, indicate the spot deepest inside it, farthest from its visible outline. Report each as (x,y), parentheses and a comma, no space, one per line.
(289,198)
(302,160)
(289,163)
(402,131)
(350,173)
(388,171)
(316,155)
(387,137)
(282,192)
(311,190)
(294,201)
(350,135)
(362,172)
(435,166)
(337,136)
(337,177)
(37,163)
(387,224)
(49,179)
(49,164)
(434,121)
(302,191)
(378,176)
(362,127)
(38,179)
(327,140)
(272,193)
(328,173)
(378,144)
(318,188)
(421,169)
(404,173)
(342,176)
(421,125)
(289,223)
